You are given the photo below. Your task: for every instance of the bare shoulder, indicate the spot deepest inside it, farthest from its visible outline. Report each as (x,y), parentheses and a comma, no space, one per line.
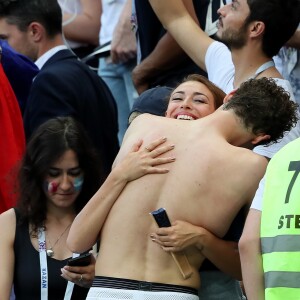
(140,125)
(258,160)
(136,131)
(145,117)
(8,217)
(8,224)
(251,170)
(254,164)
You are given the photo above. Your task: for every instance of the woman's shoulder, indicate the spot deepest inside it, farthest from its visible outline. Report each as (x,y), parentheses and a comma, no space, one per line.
(8,224)
(8,217)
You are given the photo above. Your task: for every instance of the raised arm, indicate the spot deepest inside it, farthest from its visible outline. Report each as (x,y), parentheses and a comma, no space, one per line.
(166,55)
(137,163)
(179,23)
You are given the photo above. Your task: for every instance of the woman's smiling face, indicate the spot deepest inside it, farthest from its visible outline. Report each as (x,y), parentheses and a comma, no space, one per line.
(191,100)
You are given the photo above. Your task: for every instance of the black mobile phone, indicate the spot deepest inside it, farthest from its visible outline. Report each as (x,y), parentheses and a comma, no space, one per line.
(161,217)
(80,261)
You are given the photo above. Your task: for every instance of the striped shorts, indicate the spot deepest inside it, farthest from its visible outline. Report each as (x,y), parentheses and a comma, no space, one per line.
(108,288)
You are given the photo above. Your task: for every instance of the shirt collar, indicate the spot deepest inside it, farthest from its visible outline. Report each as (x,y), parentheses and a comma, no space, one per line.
(47,55)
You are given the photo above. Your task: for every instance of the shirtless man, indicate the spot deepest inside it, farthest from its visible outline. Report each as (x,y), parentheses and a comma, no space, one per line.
(205,151)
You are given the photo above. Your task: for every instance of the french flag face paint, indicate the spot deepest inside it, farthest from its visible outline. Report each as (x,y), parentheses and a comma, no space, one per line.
(50,187)
(78,182)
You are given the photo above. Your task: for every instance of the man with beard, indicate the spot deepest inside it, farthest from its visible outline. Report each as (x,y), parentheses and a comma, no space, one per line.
(254,31)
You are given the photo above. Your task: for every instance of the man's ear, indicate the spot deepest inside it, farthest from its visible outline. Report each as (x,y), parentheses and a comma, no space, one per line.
(260,138)
(36,31)
(257,28)
(228,96)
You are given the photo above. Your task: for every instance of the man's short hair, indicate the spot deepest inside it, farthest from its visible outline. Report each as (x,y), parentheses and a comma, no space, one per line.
(281,19)
(264,108)
(23,12)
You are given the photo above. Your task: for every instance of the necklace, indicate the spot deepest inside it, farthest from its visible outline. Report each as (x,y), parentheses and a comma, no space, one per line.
(50,251)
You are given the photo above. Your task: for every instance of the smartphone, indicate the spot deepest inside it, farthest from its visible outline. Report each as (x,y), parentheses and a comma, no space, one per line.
(161,217)
(81,260)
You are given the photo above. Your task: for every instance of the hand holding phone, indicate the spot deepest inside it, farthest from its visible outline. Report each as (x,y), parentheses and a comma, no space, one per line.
(80,261)
(162,220)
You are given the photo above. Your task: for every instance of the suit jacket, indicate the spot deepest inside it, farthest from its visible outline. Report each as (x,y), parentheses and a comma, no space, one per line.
(67,87)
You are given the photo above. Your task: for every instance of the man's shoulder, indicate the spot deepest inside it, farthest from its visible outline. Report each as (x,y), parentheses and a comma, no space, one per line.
(146,118)
(67,68)
(249,158)
(251,166)
(63,59)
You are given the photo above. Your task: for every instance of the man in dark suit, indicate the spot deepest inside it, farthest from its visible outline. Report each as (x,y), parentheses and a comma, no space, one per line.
(64,85)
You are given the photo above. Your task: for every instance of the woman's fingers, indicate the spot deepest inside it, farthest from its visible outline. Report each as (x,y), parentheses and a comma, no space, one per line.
(153,145)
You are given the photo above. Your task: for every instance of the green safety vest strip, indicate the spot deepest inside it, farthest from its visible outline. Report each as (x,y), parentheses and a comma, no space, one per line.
(281,243)
(282,279)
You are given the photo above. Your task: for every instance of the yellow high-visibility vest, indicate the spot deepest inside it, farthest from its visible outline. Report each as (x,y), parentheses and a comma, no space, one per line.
(280,225)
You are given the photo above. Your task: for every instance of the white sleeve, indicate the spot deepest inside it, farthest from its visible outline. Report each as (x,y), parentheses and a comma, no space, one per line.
(258,198)
(270,150)
(219,66)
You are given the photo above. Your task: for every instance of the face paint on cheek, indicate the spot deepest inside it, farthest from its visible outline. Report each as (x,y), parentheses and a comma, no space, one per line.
(50,187)
(78,182)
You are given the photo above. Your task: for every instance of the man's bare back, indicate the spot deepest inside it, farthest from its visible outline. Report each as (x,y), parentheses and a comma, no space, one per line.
(207,185)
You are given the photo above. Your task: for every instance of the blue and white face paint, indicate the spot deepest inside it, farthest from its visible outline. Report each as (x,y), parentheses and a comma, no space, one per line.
(78,182)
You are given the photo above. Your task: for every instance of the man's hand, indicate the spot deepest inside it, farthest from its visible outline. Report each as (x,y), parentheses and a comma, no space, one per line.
(123,45)
(140,79)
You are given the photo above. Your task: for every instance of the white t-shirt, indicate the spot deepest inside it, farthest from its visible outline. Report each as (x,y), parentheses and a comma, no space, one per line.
(221,71)
(111,11)
(258,198)
(219,66)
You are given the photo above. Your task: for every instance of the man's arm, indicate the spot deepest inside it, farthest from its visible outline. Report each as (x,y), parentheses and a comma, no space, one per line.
(84,27)
(123,44)
(251,259)
(166,55)
(179,23)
